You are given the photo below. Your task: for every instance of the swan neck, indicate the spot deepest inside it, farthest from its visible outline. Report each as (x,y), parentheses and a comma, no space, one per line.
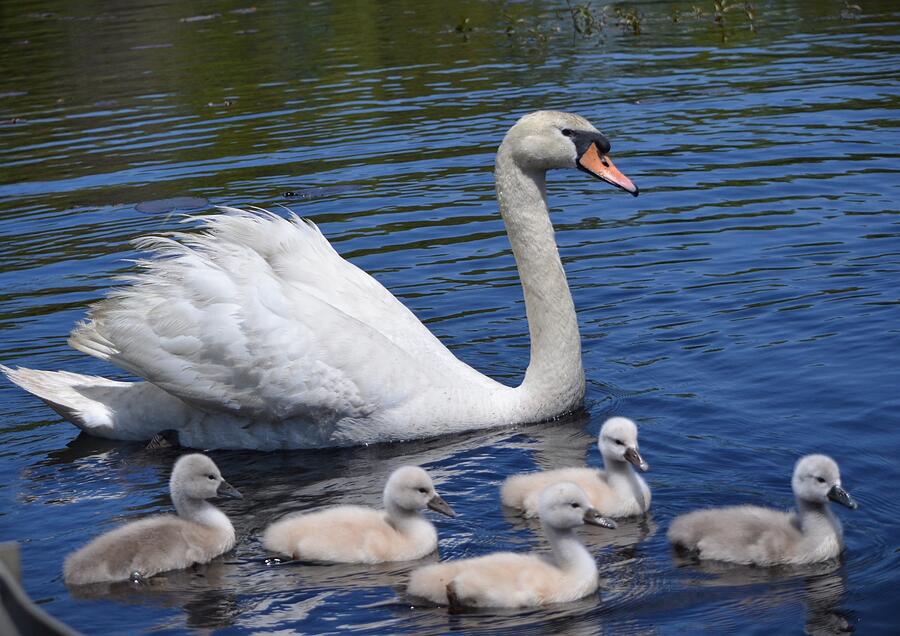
(196,510)
(817,518)
(569,552)
(401,518)
(624,480)
(554,375)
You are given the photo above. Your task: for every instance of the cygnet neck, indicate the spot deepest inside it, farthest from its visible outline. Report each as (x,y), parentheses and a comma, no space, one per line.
(198,510)
(569,552)
(624,479)
(816,518)
(554,380)
(401,518)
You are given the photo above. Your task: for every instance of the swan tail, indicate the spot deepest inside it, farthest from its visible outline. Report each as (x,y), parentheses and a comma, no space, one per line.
(99,406)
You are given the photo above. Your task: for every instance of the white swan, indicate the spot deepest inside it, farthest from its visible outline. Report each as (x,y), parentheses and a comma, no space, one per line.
(257,334)
(157,544)
(508,579)
(615,492)
(356,534)
(762,536)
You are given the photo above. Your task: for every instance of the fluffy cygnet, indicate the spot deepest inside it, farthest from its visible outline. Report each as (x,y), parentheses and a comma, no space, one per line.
(762,536)
(356,534)
(617,491)
(156,544)
(507,579)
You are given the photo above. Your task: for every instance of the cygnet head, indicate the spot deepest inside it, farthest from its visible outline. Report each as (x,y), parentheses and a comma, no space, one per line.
(549,139)
(818,480)
(410,489)
(196,476)
(564,506)
(618,441)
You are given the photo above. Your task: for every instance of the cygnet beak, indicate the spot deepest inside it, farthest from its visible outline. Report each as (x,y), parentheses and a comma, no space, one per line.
(841,496)
(439,505)
(601,166)
(594,518)
(227,490)
(634,457)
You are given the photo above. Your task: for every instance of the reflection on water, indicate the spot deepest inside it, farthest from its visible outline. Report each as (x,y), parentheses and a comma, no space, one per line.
(743,309)
(820,587)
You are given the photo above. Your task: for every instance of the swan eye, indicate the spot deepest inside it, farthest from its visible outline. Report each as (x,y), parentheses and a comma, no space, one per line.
(820,480)
(211,476)
(424,491)
(620,442)
(575,505)
(568,132)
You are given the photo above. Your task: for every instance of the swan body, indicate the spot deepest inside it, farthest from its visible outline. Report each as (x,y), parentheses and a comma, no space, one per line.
(356,534)
(255,333)
(160,543)
(615,492)
(754,535)
(507,579)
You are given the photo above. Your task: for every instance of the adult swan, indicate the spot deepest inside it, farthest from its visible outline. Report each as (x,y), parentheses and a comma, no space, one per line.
(256,334)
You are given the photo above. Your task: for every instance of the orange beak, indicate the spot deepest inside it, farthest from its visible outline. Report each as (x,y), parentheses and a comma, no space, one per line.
(602,167)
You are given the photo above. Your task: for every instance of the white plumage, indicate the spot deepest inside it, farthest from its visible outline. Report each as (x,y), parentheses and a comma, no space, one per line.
(356,534)
(762,536)
(617,491)
(199,533)
(507,579)
(255,333)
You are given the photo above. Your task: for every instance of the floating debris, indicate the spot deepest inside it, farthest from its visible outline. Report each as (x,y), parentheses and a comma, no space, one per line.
(201,18)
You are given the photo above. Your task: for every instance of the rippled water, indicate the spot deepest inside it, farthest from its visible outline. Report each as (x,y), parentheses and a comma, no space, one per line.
(744,309)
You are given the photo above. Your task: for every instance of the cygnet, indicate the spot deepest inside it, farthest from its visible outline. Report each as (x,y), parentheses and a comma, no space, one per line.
(508,579)
(140,549)
(762,536)
(357,534)
(618,491)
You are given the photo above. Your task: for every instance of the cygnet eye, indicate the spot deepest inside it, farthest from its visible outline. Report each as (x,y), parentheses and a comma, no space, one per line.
(424,491)
(575,505)
(211,476)
(620,442)
(820,480)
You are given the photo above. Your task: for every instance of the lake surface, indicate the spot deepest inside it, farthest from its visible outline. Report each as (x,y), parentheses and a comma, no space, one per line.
(744,310)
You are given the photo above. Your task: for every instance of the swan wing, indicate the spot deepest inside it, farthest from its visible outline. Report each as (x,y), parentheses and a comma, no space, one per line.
(258,316)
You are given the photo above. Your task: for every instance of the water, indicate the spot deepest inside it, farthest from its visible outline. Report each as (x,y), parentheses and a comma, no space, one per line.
(743,309)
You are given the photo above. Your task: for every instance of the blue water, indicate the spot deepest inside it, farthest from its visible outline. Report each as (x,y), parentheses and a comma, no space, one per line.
(744,310)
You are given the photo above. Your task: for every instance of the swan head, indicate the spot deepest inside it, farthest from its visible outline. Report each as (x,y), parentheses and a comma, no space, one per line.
(410,489)
(196,476)
(817,479)
(618,441)
(550,139)
(564,506)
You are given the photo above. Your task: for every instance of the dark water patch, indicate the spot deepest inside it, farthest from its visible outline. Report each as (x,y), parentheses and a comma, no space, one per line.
(164,206)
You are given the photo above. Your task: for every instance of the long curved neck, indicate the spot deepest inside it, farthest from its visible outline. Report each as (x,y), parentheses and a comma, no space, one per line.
(555,376)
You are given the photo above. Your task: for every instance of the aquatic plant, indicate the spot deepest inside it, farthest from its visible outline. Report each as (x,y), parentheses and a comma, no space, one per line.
(628,19)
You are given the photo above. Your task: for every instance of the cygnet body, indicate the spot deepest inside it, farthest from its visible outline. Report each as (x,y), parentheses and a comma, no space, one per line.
(618,491)
(762,536)
(357,534)
(199,532)
(507,579)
